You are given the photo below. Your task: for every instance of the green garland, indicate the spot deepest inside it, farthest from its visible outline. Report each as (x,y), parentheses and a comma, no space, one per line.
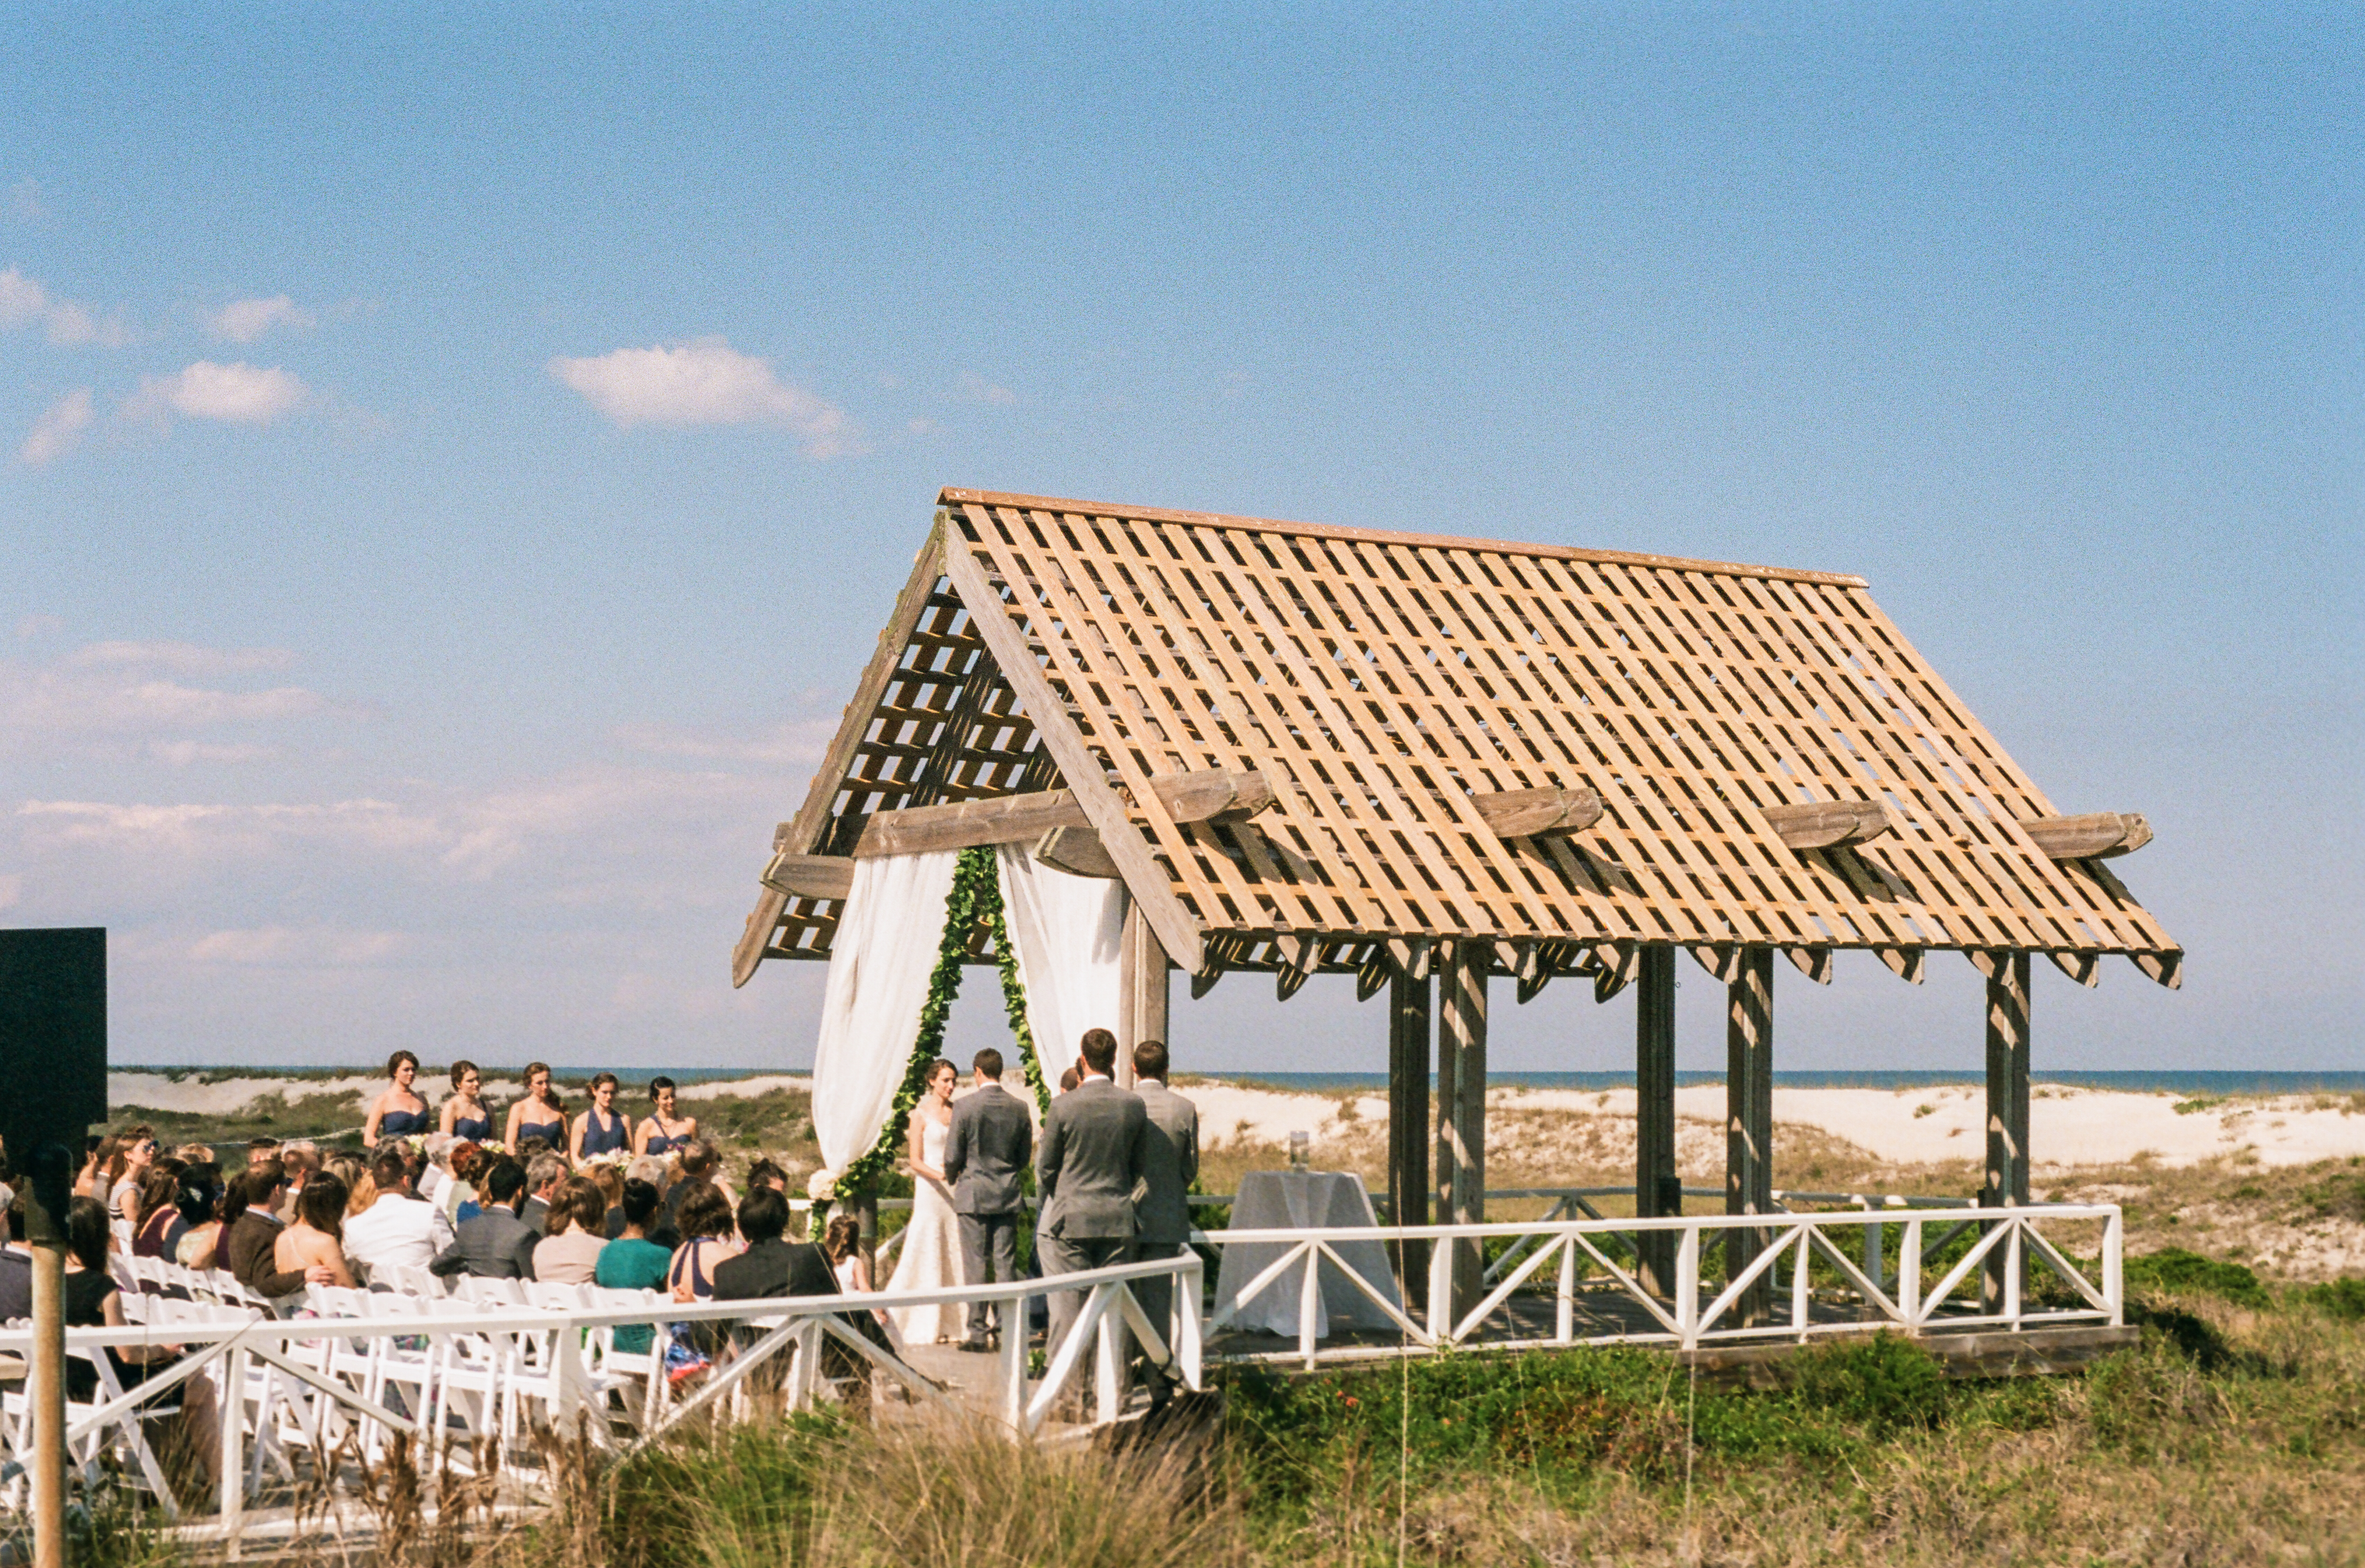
(976,895)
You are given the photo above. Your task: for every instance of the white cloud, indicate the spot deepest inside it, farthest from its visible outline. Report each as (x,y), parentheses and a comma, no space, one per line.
(237,392)
(801,742)
(223,832)
(704,382)
(280,945)
(977,389)
(243,320)
(57,430)
(183,658)
(24,301)
(180,754)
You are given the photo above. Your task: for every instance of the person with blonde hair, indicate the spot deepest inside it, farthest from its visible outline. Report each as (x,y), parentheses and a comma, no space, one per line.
(574,1232)
(317,1238)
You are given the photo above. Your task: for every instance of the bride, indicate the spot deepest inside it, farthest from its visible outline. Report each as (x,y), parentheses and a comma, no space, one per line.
(931,1256)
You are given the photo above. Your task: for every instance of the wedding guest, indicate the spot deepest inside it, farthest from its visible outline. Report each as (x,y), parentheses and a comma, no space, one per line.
(1069,1079)
(1170,1164)
(458,1198)
(250,1237)
(542,1180)
(660,1228)
(609,1179)
(701,1162)
(767,1173)
(400,1112)
(541,1115)
(361,1191)
(1086,1171)
(16,1265)
(569,1253)
(93,1301)
(259,1149)
(299,1162)
(771,1266)
(663,1132)
(635,1261)
(194,1154)
(399,1228)
(160,1225)
(463,1114)
(601,1129)
(199,1201)
(841,1243)
(495,1244)
(317,1238)
(705,1226)
(135,1152)
(96,1175)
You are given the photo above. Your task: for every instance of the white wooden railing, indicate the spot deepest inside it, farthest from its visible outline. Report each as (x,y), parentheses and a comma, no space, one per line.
(1689,1315)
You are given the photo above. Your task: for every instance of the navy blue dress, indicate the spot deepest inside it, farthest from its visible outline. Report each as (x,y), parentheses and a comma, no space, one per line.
(476,1129)
(665,1142)
(604,1137)
(402,1124)
(551,1133)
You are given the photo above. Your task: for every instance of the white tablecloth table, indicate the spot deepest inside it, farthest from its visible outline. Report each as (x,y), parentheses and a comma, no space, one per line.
(1273,1200)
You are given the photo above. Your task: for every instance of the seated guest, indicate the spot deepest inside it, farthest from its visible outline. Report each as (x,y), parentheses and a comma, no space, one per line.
(705,1226)
(542,1180)
(261,1151)
(771,1266)
(250,1237)
(497,1244)
(701,1162)
(361,1192)
(767,1173)
(841,1243)
(317,1238)
(16,1266)
(609,1179)
(199,1202)
(399,1226)
(161,1226)
(652,1170)
(458,1198)
(94,1301)
(569,1253)
(298,1159)
(634,1260)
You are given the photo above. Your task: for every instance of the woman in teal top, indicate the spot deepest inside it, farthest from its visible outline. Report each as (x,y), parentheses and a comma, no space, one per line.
(633,1262)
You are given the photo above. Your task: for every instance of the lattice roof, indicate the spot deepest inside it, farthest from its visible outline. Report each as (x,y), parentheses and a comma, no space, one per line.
(1377,679)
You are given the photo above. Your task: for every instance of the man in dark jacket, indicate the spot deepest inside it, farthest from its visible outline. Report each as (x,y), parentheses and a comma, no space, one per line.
(497,1244)
(771,1266)
(252,1242)
(986,1151)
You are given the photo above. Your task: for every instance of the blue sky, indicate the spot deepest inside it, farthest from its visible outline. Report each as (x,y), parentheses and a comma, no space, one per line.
(452,463)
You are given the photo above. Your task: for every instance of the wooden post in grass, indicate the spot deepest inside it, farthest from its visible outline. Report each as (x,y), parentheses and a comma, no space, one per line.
(2006,1185)
(1749,1123)
(1658,1189)
(1461,1174)
(1408,1032)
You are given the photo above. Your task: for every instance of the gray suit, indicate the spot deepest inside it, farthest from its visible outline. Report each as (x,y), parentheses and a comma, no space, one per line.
(1091,1162)
(986,1149)
(1163,1218)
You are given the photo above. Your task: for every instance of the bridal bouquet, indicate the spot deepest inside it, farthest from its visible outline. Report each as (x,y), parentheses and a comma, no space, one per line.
(615,1158)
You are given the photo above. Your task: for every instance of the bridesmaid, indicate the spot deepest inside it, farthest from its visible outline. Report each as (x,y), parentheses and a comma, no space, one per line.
(464,1116)
(398,1112)
(540,1115)
(662,1133)
(602,1129)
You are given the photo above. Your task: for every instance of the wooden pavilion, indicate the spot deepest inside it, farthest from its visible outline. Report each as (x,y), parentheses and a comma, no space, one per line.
(1430,761)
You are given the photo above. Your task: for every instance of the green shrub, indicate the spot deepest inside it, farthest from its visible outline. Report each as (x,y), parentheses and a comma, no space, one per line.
(2342,1299)
(2172,1269)
(1881,1385)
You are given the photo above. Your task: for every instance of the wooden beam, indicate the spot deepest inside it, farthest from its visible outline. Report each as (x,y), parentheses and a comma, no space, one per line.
(1531,813)
(1460,1172)
(2097,836)
(2168,967)
(2007,1170)
(1212,794)
(1409,1038)
(1142,989)
(810,876)
(1658,1188)
(1721,961)
(762,921)
(1828,824)
(1906,963)
(1749,1121)
(1077,851)
(1815,963)
(2085,968)
(965,824)
(1151,885)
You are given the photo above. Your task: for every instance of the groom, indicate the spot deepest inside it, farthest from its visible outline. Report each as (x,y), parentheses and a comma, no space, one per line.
(987,1146)
(1092,1148)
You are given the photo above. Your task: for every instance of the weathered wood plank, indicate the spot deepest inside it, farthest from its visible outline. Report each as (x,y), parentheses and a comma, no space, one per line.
(2097,836)
(810,876)
(964,825)
(1828,824)
(1077,851)
(1531,813)
(1212,794)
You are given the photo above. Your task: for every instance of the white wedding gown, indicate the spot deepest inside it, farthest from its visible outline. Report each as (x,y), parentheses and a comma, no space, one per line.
(930,1257)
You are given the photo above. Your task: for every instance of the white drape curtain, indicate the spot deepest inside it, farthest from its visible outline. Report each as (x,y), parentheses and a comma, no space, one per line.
(888,933)
(1069,931)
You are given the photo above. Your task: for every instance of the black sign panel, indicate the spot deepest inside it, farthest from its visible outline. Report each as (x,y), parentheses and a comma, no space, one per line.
(52,1037)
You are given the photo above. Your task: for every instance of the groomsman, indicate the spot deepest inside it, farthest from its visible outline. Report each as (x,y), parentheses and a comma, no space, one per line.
(1170,1165)
(990,1139)
(1090,1164)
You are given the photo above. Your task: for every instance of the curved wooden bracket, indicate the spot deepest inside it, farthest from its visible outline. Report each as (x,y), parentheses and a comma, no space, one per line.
(1213,795)
(2097,836)
(1532,813)
(1828,824)
(1077,851)
(810,876)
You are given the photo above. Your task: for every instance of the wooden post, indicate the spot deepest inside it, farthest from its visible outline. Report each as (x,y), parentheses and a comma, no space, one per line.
(1749,1121)
(1461,1174)
(2007,1175)
(1141,991)
(865,1204)
(1408,1030)
(1658,1189)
